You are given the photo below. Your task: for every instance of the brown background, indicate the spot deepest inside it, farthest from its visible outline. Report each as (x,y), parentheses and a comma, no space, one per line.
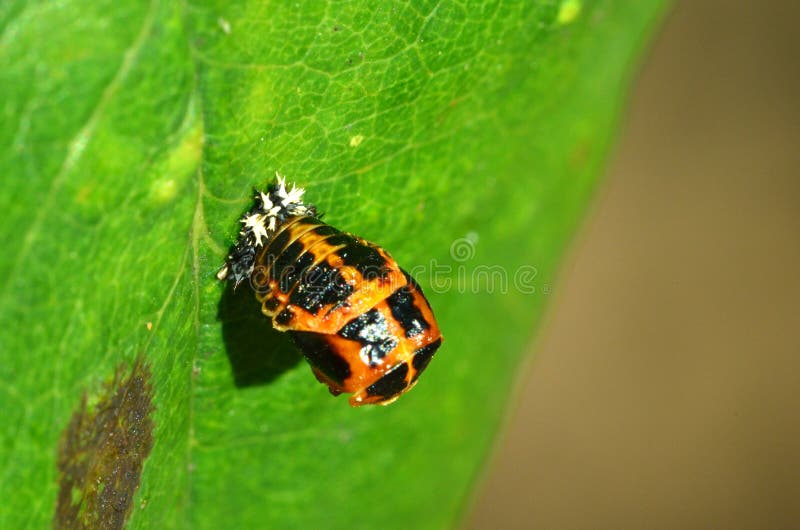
(664,387)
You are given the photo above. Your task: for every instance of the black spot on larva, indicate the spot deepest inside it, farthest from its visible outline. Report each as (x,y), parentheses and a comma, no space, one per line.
(339,239)
(320,286)
(319,354)
(407,314)
(390,384)
(366,260)
(274,247)
(284,317)
(371,331)
(286,259)
(423,356)
(271,304)
(291,274)
(325,230)
(102,450)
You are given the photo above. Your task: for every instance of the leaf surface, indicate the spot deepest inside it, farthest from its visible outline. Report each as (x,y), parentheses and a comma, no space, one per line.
(464,137)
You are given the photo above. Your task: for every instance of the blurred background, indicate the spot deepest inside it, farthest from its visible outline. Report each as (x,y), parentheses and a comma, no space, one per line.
(664,384)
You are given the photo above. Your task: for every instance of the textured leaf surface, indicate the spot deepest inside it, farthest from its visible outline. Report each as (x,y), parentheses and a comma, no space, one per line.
(132,134)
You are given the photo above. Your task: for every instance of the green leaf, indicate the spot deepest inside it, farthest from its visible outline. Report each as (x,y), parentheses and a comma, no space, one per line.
(464,137)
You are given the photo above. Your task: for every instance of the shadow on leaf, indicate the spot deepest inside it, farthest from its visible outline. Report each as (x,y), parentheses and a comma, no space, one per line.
(258,353)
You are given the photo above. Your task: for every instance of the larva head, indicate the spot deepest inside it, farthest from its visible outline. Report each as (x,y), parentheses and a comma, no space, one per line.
(271,209)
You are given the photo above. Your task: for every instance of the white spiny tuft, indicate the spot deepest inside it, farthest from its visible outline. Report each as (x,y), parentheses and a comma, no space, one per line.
(276,204)
(281,186)
(255,223)
(266,202)
(294,196)
(271,209)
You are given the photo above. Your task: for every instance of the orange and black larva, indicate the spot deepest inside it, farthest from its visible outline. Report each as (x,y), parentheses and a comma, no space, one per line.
(362,322)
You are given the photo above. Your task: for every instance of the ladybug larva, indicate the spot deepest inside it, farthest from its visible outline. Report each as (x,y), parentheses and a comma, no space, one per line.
(360,320)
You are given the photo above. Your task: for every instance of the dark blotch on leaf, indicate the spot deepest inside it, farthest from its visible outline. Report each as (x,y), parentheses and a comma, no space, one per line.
(102,450)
